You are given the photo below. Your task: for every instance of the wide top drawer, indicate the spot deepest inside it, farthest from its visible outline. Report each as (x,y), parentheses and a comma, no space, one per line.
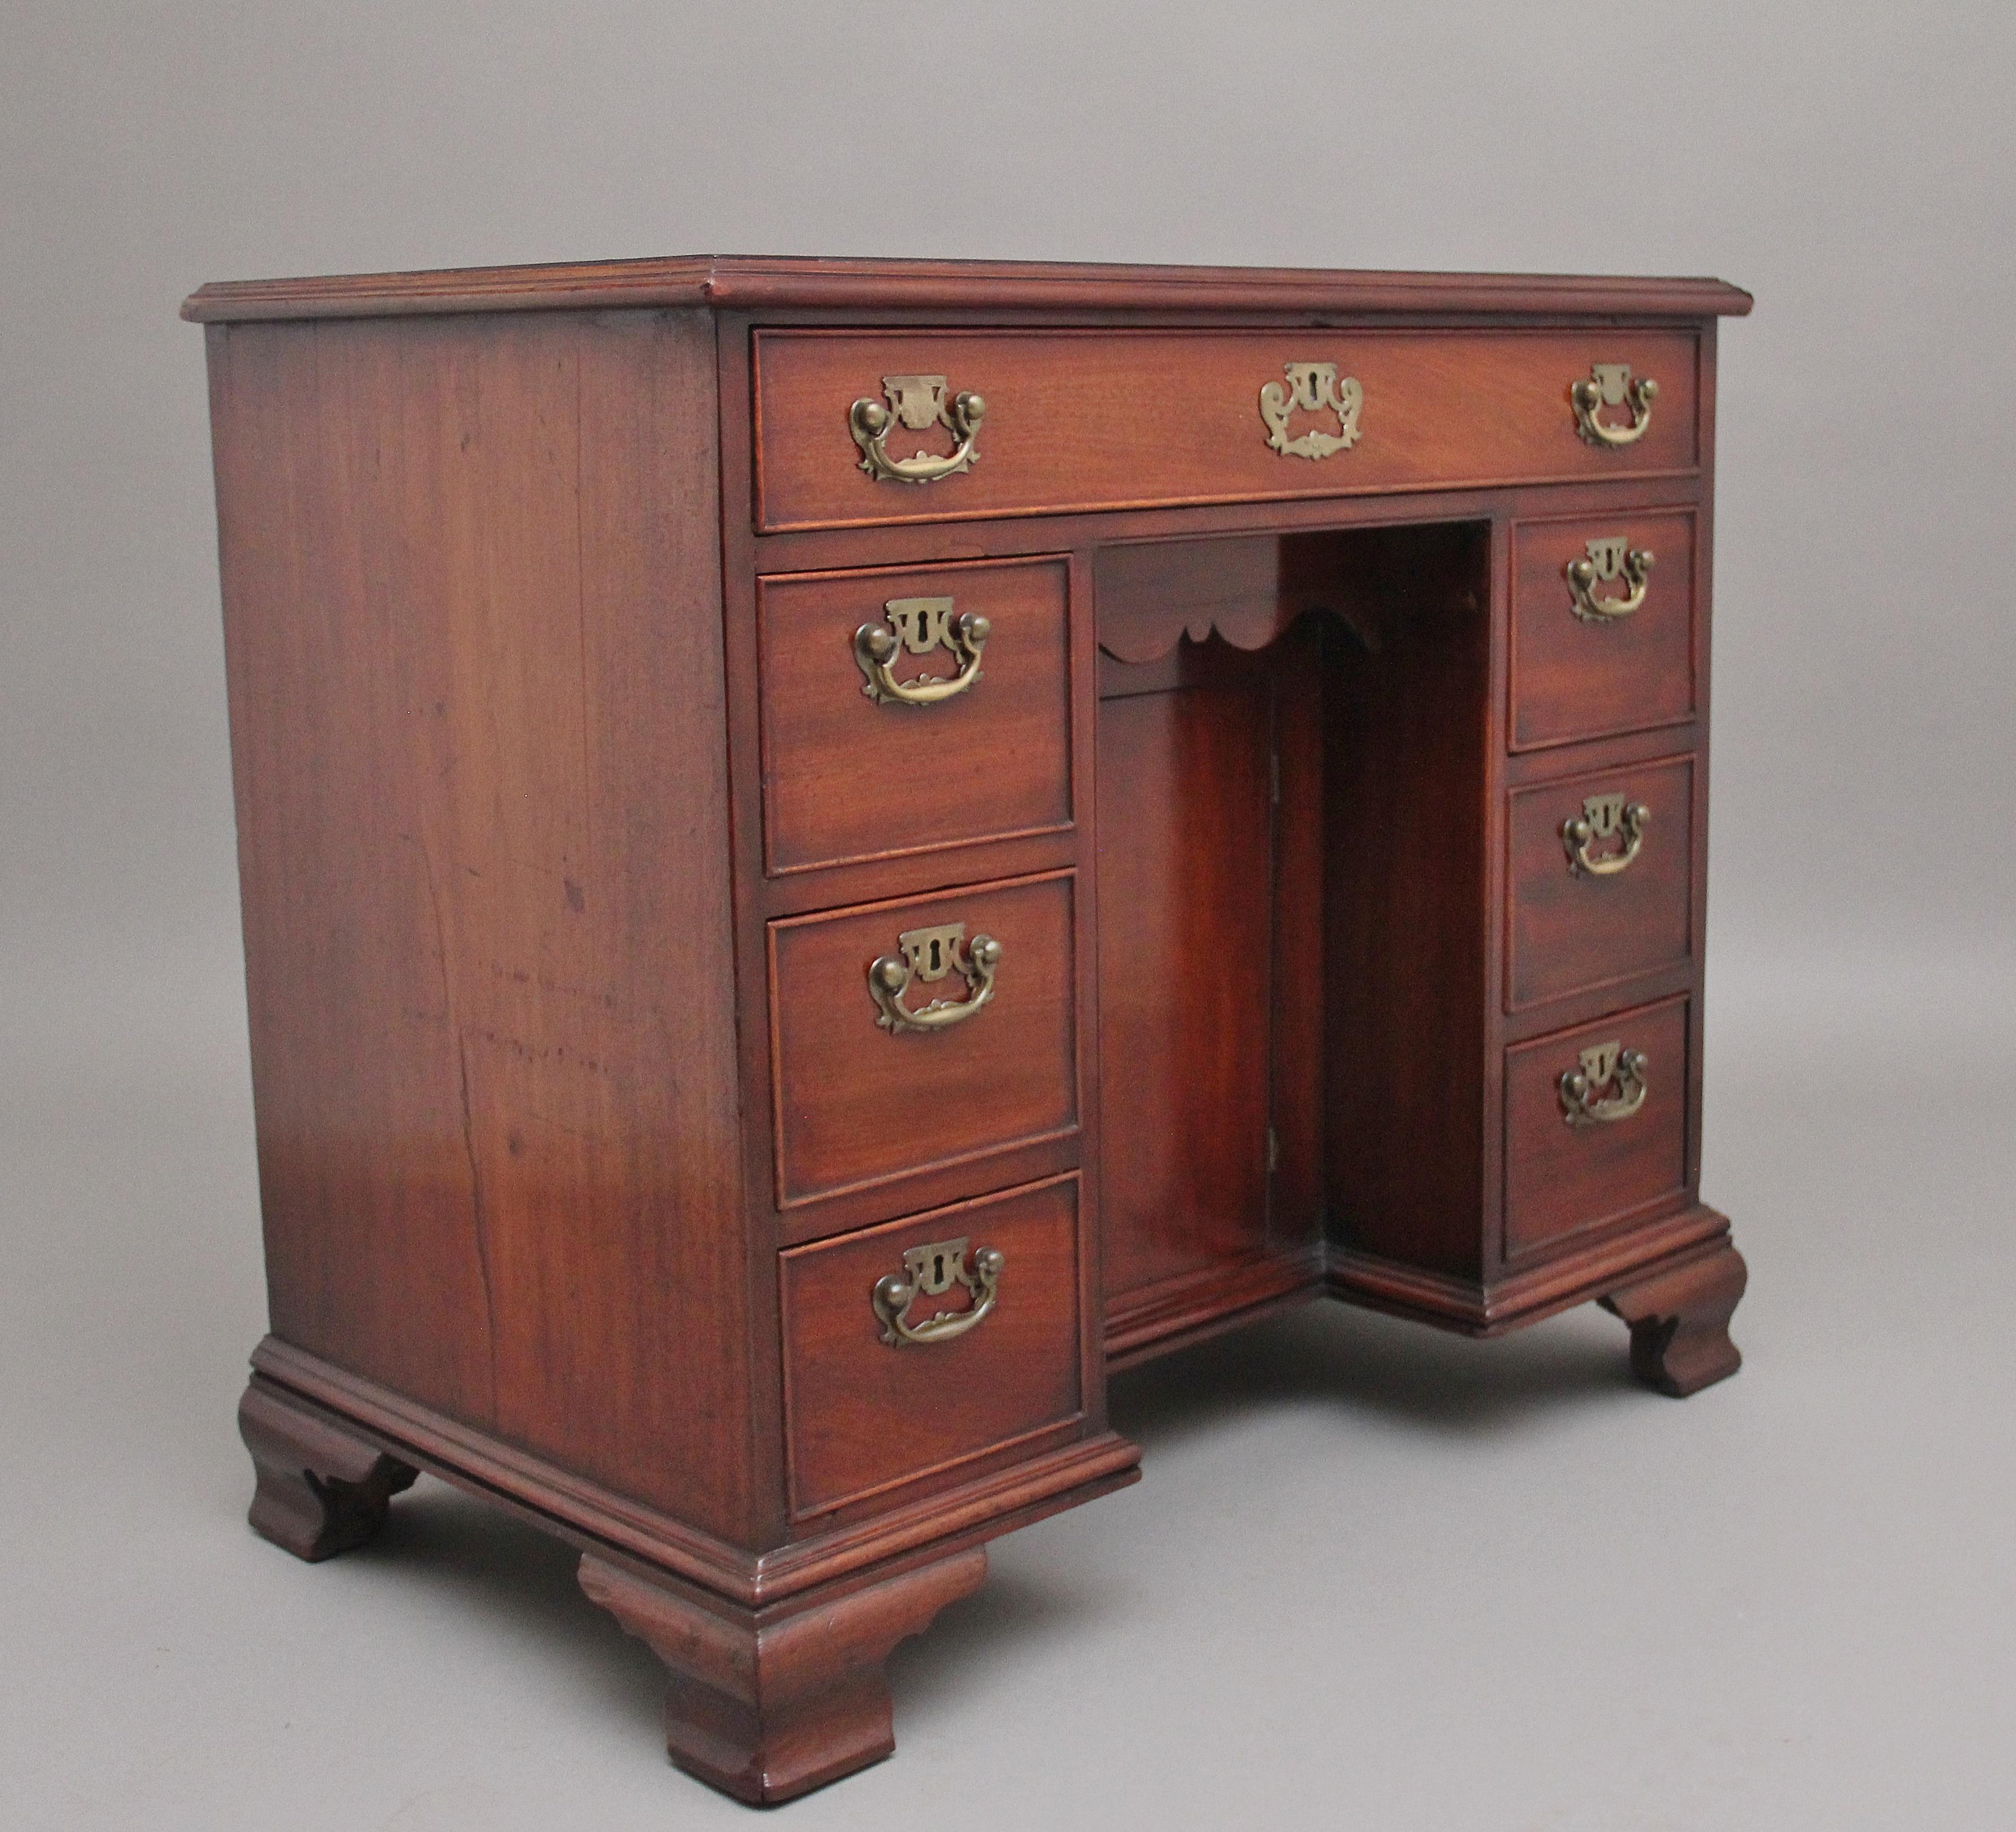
(857,427)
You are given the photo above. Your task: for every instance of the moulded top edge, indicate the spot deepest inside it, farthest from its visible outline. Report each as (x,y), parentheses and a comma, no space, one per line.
(737,282)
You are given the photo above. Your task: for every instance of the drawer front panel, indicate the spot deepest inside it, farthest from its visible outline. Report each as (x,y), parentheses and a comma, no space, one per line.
(1561,1178)
(1612,897)
(852,771)
(859,1097)
(1099,420)
(865,1413)
(1579,670)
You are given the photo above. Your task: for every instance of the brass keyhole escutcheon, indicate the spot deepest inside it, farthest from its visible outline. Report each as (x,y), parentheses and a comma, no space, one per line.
(1612,385)
(1605,561)
(931,1272)
(1311,387)
(1608,1084)
(920,626)
(1605,838)
(932,954)
(916,403)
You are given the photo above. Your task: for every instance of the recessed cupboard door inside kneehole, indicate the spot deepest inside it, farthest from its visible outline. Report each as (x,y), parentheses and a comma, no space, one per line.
(1291,860)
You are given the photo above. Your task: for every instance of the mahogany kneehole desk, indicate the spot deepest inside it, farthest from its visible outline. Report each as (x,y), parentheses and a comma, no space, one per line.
(831,849)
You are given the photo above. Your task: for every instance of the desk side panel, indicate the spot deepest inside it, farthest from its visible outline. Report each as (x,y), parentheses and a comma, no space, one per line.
(471,586)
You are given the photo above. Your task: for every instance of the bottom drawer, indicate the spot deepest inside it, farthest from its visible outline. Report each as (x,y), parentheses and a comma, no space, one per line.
(1595,1151)
(878,1393)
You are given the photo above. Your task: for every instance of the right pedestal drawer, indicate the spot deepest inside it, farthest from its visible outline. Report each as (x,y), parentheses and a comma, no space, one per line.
(1600,879)
(1602,625)
(1596,1124)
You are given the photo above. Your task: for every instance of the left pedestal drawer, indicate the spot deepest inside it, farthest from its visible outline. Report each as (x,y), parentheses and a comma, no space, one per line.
(927,1343)
(921,1033)
(962,734)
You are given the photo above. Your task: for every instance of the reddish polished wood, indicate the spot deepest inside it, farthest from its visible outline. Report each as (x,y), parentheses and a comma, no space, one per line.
(1574,679)
(864,1415)
(568,837)
(1569,931)
(1185,974)
(1561,1179)
(468,565)
(1680,1321)
(856,1104)
(768,1704)
(1407,845)
(845,778)
(1094,419)
(730,283)
(321,1490)
(984,1501)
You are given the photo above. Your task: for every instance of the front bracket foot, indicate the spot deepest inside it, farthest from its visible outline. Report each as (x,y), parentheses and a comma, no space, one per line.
(1680,1322)
(770,1703)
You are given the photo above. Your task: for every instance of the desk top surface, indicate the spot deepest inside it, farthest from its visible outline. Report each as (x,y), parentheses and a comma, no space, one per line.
(741,282)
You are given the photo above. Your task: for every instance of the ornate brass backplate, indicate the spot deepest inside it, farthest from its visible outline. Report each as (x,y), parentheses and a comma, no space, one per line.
(1607,560)
(1607,1066)
(916,402)
(919,626)
(1605,836)
(1313,387)
(1610,384)
(931,1272)
(930,954)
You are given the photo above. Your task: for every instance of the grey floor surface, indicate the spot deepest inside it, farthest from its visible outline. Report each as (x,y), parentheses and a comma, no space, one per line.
(1374,1578)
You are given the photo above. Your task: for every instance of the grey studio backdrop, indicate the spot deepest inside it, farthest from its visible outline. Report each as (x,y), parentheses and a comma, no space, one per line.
(1375,1577)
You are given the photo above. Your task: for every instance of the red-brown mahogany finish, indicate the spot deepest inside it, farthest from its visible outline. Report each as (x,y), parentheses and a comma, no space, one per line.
(846,777)
(1593,913)
(595,883)
(1087,419)
(1581,676)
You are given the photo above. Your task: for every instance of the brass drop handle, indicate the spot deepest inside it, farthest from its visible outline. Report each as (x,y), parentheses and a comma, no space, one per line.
(917,402)
(1608,1066)
(930,955)
(1612,384)
(919,625)
(1602,562)
(931,1272)
(1604,819)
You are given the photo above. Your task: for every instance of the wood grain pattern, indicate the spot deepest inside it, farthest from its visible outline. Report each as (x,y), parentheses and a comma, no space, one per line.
(768,1705)
(1574,680)
(1405,909)
(467,565)
(845,778)
(320,1490)
(1090,420)
(1561,1179)
(983,1502)
(1185,975)
(743,282)
(855,1104)
(863,1416)
(1159,1319)
(568,837)
(1567,930)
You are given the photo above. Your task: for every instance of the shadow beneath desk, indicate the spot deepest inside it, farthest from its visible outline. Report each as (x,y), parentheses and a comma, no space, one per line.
(487,1569)
(457,1554)
(929,1674)
(491,1571)
(1358,1361)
